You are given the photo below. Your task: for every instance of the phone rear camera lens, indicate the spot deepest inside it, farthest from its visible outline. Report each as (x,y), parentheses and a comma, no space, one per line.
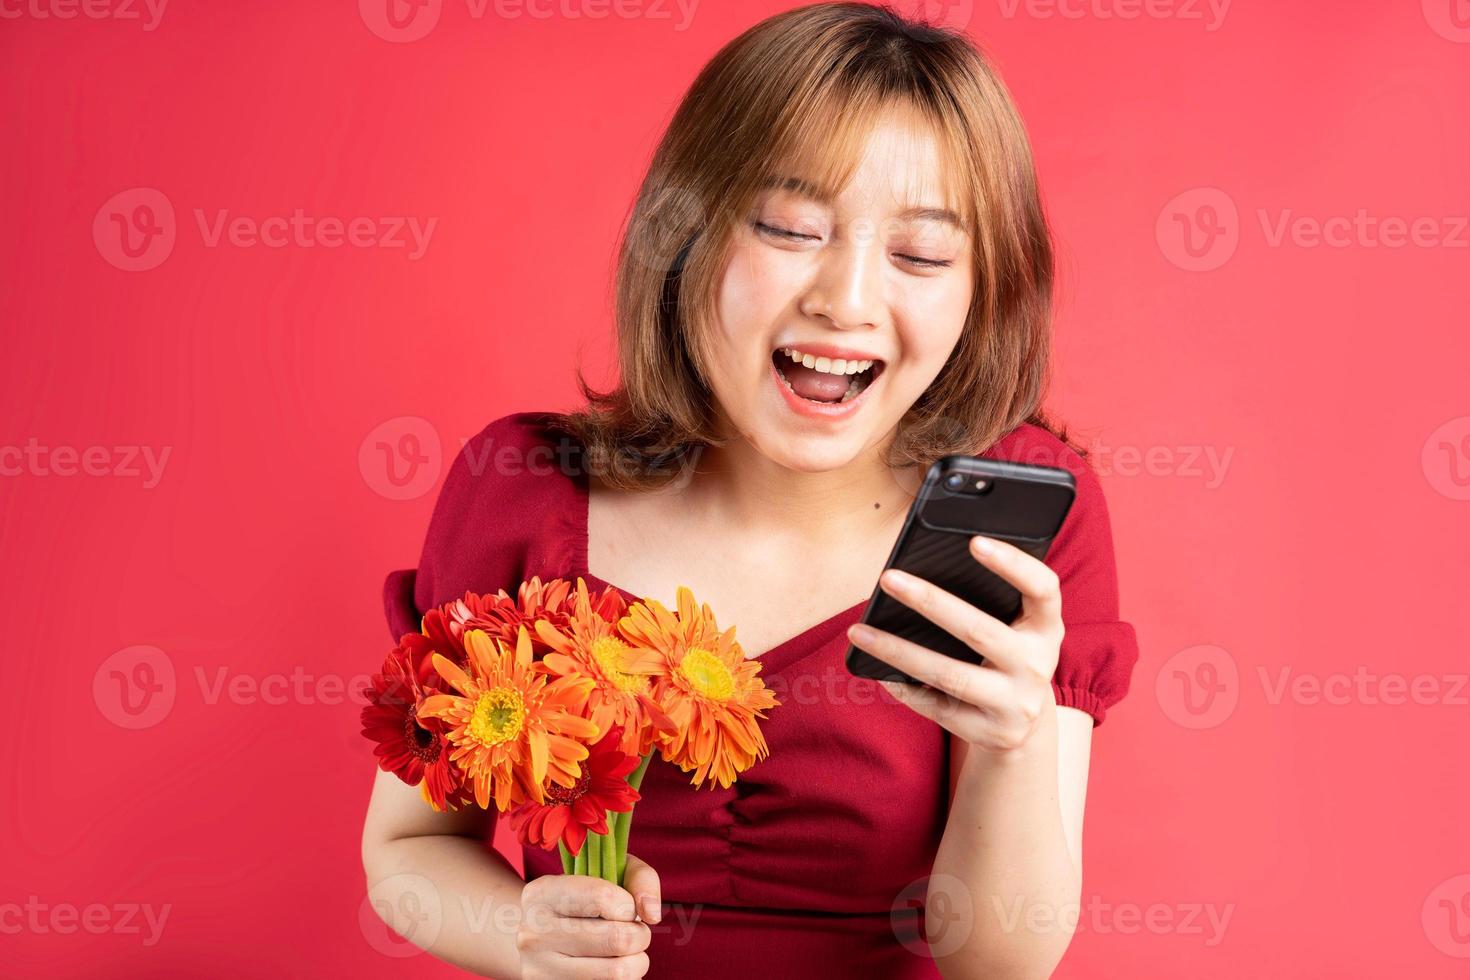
(954,481)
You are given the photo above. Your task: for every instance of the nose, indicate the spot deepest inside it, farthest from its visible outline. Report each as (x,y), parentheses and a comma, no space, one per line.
(847,289)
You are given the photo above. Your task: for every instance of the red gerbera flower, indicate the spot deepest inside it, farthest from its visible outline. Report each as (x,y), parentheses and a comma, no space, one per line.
(500,616)
(411,748)
(569,813)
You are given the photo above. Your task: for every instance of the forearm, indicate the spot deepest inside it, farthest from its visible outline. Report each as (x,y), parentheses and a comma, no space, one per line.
(1006,855)
(451,896)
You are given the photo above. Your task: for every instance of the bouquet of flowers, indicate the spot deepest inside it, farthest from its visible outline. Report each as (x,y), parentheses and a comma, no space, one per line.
(552,703)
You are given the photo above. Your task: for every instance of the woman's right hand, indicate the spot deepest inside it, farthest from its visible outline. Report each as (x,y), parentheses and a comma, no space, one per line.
(584,927)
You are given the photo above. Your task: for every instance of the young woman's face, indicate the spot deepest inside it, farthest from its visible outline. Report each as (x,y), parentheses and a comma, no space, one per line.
(870,290)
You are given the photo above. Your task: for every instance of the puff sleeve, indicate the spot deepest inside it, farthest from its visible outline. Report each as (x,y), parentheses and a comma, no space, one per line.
(1099,650)
(479,532)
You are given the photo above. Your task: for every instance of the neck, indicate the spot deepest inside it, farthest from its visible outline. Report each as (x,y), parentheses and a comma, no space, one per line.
(744,486)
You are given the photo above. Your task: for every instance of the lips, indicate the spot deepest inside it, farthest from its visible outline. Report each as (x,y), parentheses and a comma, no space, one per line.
(822,411)
(812,374)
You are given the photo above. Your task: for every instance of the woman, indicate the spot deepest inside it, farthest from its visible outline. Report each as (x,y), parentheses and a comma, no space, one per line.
(836,271)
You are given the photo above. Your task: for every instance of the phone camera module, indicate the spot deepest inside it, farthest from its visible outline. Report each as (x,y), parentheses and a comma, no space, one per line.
(954,481)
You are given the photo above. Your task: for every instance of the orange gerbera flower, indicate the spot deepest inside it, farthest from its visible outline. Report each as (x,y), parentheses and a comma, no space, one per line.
(512,726)
(712,693)
(622,690)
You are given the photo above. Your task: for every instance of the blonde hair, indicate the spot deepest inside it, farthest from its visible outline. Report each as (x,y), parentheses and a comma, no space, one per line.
(798,93)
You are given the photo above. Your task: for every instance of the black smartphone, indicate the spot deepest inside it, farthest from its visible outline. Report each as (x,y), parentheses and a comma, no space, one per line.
(963,496)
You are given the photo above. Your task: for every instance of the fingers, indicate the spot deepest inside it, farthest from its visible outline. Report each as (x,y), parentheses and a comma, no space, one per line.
(582,896)
(948,712)
(599,937)
(641,881)
(1002,730)
(1041,594)
(974,684)
(593,968)
(580,926)
(974,627)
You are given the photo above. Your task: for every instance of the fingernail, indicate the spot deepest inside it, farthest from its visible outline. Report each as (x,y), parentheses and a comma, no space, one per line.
(861,632)
(983,546)
(650,908)
(897,580)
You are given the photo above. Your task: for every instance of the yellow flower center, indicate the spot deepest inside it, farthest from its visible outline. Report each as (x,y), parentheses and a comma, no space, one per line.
(707,674)
(498,716)
(611,654)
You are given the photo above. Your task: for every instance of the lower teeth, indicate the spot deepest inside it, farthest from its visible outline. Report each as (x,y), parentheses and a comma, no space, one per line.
(854,388)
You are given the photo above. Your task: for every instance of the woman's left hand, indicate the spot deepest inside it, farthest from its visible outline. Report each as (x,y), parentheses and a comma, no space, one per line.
(995,705)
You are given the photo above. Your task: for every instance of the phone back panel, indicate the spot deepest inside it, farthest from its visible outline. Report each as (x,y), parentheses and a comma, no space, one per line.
(942,556)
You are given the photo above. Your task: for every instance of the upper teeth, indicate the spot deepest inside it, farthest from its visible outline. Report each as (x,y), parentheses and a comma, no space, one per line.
(826,365)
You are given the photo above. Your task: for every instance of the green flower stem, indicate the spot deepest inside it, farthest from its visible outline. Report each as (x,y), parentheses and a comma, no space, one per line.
(567,861)
(624,821)
(579,864)
(609,862)
(594,854)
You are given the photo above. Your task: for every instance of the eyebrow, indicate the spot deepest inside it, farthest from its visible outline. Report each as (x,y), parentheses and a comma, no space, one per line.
(797,185)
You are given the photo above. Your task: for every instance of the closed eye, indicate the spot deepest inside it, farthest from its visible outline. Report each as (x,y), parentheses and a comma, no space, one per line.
(926,263)
(794,236)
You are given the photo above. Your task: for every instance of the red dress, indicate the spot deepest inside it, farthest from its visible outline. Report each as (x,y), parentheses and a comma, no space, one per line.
(813,863)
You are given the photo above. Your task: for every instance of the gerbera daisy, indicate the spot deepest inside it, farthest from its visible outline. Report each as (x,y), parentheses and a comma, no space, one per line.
(511,726)
(567,814)
(499,615)
(411,748)
(706,685)
(622,692)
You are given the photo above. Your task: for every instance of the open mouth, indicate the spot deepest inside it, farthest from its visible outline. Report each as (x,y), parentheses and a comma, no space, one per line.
(825,380)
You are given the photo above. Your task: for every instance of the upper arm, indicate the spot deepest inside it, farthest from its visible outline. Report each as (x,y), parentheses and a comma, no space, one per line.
(1074,753)
(398,810)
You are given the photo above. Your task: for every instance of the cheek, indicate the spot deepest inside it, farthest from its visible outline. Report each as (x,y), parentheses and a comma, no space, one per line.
(933,320)
(757,286)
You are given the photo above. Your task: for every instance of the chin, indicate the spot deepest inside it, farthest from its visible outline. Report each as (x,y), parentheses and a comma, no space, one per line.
(811,453)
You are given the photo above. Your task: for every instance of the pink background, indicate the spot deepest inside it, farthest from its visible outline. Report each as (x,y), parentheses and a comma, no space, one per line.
(1323,373)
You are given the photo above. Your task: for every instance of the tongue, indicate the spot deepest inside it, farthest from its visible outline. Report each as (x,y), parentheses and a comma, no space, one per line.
(816,385)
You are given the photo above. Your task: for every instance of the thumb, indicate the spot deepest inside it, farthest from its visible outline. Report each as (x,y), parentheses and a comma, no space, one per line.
(641,881)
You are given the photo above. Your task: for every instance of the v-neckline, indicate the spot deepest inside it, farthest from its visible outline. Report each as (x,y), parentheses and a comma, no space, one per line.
(777,658)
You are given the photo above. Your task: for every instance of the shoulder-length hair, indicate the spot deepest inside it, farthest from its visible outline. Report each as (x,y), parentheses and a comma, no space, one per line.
(799,92)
